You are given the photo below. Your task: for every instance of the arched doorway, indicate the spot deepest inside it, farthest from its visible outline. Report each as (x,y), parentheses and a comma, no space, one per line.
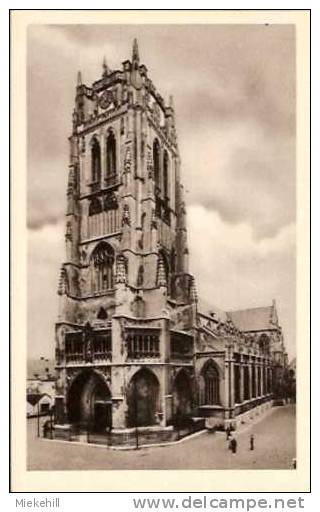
(89,402)
(143,399)
(182,395)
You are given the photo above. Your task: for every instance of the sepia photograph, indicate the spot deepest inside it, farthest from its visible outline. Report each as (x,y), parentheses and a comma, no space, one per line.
(161,205)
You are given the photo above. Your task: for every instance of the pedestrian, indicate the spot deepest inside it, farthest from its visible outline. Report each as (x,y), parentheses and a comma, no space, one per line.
(228,432)
(233,445)
(252,442)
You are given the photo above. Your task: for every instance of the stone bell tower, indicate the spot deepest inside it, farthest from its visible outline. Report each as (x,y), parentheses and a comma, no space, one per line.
(125,277)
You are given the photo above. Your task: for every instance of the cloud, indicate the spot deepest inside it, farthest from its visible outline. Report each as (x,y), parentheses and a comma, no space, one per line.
(236,119)
(234,271)
(45,255)
(247,175)
(234,90)
(47,181)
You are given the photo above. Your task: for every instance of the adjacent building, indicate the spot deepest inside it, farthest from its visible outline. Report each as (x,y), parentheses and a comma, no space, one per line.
(135,349)
(40,393)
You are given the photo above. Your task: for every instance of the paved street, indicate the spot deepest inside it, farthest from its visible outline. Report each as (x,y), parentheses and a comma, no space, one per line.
(274,449)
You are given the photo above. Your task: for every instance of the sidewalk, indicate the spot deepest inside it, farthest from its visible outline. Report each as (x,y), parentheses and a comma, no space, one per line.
(274,449)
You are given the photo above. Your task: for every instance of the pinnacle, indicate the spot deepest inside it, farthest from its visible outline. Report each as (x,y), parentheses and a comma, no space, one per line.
(105,66)
(135,51)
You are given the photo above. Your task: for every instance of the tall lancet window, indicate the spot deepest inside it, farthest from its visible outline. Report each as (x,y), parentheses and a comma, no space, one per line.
(95,160)
(111,156)
(102,268)
(156,163)
(165,175)
(211,395)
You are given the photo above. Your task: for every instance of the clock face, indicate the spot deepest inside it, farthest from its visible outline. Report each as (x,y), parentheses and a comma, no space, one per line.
(106,99)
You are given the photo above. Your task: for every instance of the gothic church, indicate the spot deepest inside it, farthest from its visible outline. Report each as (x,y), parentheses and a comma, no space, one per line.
(135,349)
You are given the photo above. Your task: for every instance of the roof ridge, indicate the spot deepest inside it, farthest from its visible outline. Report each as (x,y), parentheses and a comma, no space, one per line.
(249,309)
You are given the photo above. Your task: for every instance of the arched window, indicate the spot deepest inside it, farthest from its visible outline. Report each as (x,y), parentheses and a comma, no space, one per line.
(111,155)
(95,207)
(264,344)
(211,384)
(156,162)
(95,160)
(102,263)
(165,175)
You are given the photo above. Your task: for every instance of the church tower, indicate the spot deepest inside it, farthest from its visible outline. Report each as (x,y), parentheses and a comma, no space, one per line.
(127,302)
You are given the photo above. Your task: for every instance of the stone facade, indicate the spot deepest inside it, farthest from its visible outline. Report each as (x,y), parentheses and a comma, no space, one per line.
(134,349)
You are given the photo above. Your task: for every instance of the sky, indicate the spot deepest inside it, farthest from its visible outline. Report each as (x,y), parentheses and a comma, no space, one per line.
(234,95)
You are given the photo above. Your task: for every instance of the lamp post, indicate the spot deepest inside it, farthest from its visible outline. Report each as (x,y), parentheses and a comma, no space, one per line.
(38,418)
(51,421)
(136,414)
(88,431)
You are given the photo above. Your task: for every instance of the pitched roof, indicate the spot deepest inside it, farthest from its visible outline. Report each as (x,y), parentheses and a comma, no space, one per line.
(206,308)
(255,319)
(245,320)
(34,398)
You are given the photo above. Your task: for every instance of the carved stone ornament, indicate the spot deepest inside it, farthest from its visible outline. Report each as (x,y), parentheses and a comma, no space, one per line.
(121,275)
(128,160)
(106,98)
(140,277)
(71,180)
(126,221)
(62,286)
(149,164)
(156,112)
(69,231)
(87,339)
(162,281)
(193,291)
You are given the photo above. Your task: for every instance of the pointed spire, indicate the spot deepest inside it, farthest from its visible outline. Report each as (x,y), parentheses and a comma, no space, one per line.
(105,67)
(135,51)
(79,78)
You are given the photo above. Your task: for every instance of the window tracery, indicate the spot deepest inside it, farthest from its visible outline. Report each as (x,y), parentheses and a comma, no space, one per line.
(102,263)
